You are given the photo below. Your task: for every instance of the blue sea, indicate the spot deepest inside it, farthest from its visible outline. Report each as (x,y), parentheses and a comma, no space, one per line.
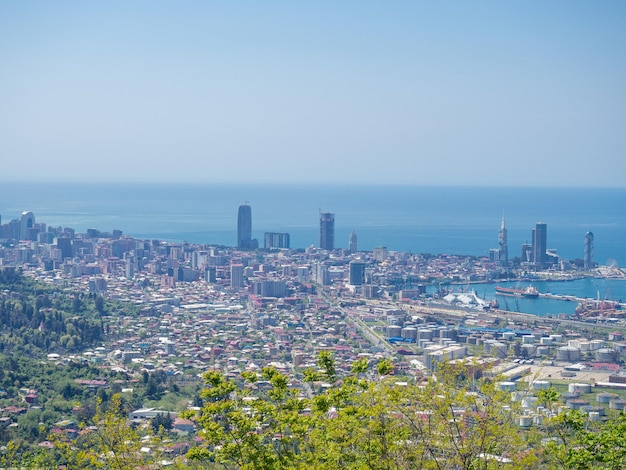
(416,219)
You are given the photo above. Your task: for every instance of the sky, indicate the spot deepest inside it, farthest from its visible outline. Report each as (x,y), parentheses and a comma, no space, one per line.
(520,93)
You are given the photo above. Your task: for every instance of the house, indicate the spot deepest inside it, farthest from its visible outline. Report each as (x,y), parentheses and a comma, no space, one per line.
(150,413)
(183,425)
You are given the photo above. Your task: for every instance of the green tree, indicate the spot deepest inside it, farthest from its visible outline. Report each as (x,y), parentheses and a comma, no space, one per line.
(163,420)
(110,444)
(454,422)
(582,445)
(245,430)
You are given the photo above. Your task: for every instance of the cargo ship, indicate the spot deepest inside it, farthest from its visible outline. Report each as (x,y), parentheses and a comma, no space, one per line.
(529,292)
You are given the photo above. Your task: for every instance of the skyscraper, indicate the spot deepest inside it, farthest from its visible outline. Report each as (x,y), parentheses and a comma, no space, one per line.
(588,259)
(26,221)
(540,244)
(327,231)
(352,245)
(357,273)
(276,240)
(244,227)
(236,276)
(503,245)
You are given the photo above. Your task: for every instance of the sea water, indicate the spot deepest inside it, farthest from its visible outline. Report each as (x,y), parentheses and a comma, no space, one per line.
(417,219)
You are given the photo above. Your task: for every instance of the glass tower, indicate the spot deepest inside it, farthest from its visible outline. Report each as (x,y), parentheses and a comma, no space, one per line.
(327,231)
(244,226)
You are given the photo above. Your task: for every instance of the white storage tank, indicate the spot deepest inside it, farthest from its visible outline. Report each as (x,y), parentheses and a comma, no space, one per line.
(605,397)
(508,336)
(409,333)
(556,338)
(425,333)
(541,385)
(396,320)
(542,350)
(499,350)
(446,332)
(394,331)
(594,416)
(617,404)
(568,354)
(506,386)
(605,355)
(459,352)
(579,388)
(596,344)
(529,402)
(525,421)
(528,350)
(546,341)
(528,339)
(576,404)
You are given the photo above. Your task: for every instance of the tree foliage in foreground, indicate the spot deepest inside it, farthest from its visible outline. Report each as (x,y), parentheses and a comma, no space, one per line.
(580,444)
(452,421)
(111,443)
(365,421)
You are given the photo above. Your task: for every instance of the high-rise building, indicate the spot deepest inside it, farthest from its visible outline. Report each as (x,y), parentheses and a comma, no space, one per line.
(65,245)
(244,226)
(540,244)
(380,253)
(276,240)
(211,274)
(236,276)
(270,288)
(130,267)
(352,244)
(27,221)
(327,231)
(12,231)
(503,245)
(322,275)
(588,259)
(303,274)
(357,273)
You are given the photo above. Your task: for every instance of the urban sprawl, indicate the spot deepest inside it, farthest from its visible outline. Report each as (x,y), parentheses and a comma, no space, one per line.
(243,308)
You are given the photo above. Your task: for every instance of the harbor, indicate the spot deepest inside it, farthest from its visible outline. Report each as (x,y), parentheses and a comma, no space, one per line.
(553,298)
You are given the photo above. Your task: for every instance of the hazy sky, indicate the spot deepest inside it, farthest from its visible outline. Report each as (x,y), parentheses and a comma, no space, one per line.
(438,92)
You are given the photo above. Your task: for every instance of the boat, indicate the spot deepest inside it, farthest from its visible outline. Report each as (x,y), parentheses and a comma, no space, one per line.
(529,292)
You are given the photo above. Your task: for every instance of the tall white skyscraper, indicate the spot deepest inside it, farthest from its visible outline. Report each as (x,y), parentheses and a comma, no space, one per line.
(352,242)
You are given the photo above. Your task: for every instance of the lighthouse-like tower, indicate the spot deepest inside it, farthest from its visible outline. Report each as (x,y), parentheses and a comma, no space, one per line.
(503,245)
(352,243)
(588,259)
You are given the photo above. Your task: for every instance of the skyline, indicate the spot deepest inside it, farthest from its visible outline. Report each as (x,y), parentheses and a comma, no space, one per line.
(481,94)
(536,252)
(410,219)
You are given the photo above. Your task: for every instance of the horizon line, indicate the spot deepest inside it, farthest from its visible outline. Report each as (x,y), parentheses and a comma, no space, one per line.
(306,183)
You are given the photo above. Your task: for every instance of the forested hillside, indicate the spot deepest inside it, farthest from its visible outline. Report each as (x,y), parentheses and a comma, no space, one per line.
(38,319)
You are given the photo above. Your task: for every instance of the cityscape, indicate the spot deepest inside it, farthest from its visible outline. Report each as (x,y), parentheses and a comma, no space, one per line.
(244,308)
(312,235)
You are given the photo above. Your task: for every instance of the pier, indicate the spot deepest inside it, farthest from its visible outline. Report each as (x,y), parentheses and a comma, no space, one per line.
(593,303)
